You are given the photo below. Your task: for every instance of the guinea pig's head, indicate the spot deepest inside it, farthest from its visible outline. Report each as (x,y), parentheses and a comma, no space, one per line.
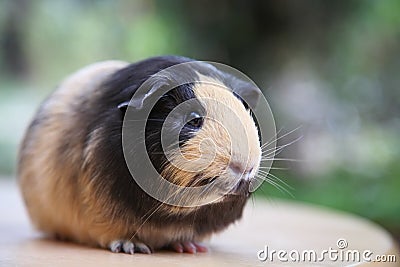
(202,134)
(219,142)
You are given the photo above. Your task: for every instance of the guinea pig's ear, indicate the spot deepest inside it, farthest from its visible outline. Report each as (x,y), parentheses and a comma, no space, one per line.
(137,100)
(250,94)
(142,95)
(123,106)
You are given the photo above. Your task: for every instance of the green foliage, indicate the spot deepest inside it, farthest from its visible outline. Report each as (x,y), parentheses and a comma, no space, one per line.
(376,198)
(66,35)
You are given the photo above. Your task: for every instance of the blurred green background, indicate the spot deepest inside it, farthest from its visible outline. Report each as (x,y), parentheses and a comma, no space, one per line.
(331,67)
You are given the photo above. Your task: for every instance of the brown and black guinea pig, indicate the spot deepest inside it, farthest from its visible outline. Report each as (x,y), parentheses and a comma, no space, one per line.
(74,177)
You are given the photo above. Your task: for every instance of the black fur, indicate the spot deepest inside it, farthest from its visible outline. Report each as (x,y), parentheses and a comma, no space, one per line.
(114,178)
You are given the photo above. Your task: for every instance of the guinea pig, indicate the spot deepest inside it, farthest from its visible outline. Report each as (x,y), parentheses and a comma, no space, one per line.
(74,176)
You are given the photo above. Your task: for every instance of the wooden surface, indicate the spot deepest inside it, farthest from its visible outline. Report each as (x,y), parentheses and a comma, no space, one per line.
(279,225)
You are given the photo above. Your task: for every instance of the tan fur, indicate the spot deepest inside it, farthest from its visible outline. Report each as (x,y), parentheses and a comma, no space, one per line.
(229,134)
(64,200)
(70,209)
(44,187)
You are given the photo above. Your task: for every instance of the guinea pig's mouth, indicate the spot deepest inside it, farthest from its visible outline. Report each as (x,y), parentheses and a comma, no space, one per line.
(240,189)
(199,180)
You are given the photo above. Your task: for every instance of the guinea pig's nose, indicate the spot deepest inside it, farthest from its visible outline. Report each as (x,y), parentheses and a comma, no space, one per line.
(240,169)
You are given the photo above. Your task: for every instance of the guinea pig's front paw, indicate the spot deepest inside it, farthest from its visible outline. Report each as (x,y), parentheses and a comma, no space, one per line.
(188,247)
(129,247)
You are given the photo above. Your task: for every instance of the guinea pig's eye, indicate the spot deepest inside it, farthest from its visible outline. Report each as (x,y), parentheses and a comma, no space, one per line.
(195,121)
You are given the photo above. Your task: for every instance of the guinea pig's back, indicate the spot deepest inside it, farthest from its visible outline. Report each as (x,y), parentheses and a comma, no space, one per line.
(52,151)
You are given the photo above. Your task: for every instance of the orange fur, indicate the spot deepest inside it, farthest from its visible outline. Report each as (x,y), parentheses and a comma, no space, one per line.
(63,199)
(229,134)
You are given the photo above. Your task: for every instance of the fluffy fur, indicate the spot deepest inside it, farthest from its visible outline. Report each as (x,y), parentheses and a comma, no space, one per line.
(74,178)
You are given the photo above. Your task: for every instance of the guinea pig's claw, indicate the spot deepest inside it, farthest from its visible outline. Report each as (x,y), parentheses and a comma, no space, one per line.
(129,247)
(142,248)
(188,247)
(116,246)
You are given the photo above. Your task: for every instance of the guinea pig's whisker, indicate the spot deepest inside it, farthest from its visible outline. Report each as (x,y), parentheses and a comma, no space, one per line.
(280,159)
(205,189)
(205,182)
(262,190)
(270,175)
(145,220)
(276,182)
(273,180)
(273,168)
(152,134)
(195,180)
(150,213)
(271,140)
(190,154)
(279,187)
(252,201)
(272,154)
(280,137)
(175,144)
(279,148)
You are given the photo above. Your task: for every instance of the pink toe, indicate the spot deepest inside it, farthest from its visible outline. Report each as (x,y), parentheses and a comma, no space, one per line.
(200,247)
(189,247)
(177,247)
